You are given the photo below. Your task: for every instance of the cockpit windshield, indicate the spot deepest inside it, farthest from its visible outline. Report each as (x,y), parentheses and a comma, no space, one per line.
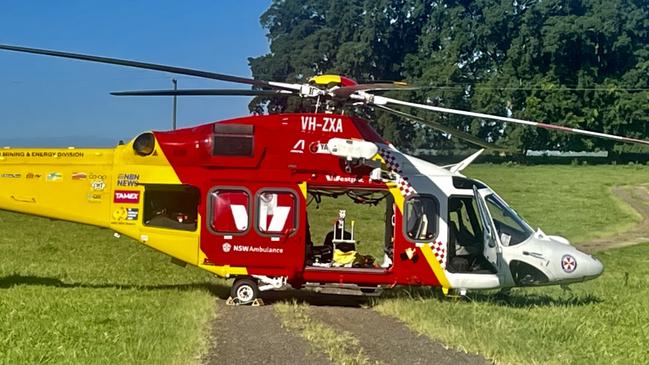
(512,229)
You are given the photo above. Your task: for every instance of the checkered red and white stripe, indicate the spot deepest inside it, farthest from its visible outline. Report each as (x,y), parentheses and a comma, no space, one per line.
(439,249)
(393,166)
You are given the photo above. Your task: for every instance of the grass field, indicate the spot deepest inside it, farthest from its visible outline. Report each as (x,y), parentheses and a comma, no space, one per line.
(572,201)
(72,294)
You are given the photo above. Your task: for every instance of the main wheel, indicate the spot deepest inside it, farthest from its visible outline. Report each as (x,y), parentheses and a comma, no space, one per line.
(244,290)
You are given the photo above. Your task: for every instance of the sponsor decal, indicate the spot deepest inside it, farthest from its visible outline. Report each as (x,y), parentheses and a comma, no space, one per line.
(319,148)
(132,214)
(128,179)
(126,196)
(98,185)
(568,263)
(79,176)
(54,176)
(256,249)
(31,175)
(92,176)
(125,216)
(94,197)
(43,154)
(11,176)
(226,247)
(345,179)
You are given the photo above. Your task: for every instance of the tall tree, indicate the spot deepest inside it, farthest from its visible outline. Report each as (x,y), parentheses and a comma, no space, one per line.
(361,39)
(580,63)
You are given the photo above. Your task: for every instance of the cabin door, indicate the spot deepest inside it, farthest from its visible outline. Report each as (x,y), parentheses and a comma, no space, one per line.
(490,250)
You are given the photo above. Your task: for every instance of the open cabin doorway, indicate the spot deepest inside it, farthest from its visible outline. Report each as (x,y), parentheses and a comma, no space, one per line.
(466,242)
(358,239)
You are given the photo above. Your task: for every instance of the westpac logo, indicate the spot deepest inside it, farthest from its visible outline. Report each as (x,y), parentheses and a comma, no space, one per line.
(126,196)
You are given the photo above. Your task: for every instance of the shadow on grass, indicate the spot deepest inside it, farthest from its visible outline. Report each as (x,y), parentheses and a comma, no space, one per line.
(316,299)
(10,281)
(512,299)
(217,290)
(535,300)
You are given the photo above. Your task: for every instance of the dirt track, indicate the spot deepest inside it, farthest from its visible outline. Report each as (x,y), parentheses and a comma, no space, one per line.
(254,334)
(638,198)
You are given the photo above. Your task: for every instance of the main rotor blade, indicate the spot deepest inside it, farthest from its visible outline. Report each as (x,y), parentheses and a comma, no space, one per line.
(469,138)
(202,92)
(375,99)
(152,66)
(346,91)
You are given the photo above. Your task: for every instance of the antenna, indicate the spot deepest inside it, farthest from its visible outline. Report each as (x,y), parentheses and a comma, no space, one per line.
(173,120)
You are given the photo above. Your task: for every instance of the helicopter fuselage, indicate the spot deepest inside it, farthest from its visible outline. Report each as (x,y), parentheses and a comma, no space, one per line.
(231,197)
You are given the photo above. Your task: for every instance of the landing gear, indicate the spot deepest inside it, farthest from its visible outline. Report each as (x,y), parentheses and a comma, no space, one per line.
(244,291)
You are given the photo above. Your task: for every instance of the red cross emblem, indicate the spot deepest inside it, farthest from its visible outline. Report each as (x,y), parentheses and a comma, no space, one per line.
(568,263)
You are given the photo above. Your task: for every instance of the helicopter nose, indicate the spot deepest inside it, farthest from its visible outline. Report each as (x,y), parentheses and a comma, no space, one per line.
(591,267)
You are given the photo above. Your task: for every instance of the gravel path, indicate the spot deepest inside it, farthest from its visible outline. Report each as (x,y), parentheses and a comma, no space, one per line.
(388,341)
(253,335)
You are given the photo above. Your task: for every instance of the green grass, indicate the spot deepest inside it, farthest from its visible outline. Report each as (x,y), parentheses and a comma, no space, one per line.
(605,321)
(74,294)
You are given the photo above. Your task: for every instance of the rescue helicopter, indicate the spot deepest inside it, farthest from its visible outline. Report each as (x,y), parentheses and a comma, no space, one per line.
(231,197)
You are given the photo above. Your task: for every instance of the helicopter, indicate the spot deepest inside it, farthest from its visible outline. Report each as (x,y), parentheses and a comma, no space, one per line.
(231,196)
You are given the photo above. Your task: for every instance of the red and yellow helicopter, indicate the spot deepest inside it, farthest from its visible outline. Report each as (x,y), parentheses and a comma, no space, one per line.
(231,197)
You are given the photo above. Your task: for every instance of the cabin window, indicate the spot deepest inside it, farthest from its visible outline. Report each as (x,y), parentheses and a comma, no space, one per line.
(276,212)
(171,206)
(233,140)
(229,211)
(421,218)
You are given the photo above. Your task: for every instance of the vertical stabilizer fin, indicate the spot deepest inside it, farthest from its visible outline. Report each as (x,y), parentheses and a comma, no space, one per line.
(464,163)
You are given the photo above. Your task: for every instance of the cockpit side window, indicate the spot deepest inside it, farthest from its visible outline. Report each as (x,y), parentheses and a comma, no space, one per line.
(421,216)
(512,229)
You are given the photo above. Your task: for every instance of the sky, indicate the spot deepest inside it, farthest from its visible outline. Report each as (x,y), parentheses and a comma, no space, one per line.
(54,101)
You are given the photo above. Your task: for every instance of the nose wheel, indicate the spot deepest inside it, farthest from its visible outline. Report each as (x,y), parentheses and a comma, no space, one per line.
(244,291)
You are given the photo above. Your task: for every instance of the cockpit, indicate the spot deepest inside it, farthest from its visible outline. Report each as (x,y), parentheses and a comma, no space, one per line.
(487,236)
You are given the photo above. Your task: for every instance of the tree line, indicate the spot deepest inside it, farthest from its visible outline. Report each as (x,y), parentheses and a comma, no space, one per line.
(577,63)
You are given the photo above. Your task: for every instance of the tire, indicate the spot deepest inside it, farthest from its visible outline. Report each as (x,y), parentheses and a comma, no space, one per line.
(244,290)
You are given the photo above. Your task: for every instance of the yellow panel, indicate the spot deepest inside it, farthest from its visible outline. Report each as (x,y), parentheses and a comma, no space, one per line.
(303,188)
(435,266)
(225,271)
(325,79)
(70,184)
